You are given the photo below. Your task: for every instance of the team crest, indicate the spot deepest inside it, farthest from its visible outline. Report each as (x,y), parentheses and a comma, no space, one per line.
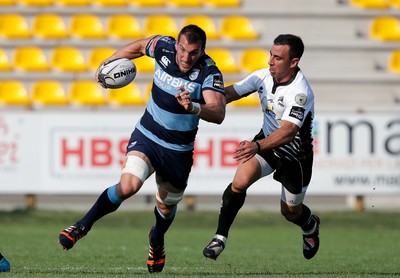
(194,74)
(300,99)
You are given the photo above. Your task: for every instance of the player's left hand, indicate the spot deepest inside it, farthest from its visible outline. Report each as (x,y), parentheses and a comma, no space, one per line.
(184,99)
(245,151)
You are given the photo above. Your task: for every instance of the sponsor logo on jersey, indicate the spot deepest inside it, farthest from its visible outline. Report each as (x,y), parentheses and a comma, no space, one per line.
(297,112)
(164,80)
(280,101)
(217,82)
(165,61)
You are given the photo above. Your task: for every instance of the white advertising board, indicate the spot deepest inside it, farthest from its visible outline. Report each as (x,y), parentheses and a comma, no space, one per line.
(80,152)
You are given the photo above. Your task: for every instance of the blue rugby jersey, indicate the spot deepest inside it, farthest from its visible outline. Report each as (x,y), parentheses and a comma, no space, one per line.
(165,121)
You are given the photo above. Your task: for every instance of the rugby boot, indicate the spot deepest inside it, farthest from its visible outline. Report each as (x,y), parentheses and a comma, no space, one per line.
(156,258)
(311,240)
(215,247)
(71,235)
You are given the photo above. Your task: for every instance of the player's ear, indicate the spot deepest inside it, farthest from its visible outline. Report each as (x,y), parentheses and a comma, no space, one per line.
(294,63)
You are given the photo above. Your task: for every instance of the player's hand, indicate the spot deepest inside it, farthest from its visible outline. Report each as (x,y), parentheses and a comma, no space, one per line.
(245,151)
(184,99)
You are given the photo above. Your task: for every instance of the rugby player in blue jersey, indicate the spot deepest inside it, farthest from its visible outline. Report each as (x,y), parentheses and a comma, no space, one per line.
(187,87)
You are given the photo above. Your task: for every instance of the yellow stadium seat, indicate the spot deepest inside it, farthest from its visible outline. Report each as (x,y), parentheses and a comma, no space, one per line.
(394,61)
(98,55)
(109,3)
(73,2)
(160,25)
(124,26)
(30,58)
(87,26)
(395,3)
(127,95)
(7,2)
(14,26)
(48,92)
(86,92)
(68,58)
(144,64)
(237,27)
(49,26)
(385,28)
(370,4)
(41,3)
(13,92)
(205,22)
(147,3)
(224,59)
(252,59)
(223,3)
(185,3)
(4,61)
(250,100)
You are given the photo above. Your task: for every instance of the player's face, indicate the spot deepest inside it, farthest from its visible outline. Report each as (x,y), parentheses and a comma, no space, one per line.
(187,54)
(280,64)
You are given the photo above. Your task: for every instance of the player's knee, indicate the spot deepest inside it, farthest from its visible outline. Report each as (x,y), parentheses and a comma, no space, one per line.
(129,185)
(169,198)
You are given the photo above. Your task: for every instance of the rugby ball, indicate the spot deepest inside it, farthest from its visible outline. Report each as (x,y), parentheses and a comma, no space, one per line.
(117,73)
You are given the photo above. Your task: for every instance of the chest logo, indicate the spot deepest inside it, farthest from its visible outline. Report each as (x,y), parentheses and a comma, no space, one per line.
(165,61)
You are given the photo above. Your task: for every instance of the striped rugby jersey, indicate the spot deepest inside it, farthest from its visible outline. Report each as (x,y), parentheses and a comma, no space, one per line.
(290,101)
(165,121)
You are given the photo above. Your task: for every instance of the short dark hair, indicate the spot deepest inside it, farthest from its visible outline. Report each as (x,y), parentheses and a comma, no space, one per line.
(194,34)
(294,42)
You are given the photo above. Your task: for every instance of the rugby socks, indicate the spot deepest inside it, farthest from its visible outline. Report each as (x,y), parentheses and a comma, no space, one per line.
(305,221)
(107,202)
(231,204)
(162,224)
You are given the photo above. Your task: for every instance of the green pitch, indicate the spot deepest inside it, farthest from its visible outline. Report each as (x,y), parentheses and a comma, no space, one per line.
(261,244)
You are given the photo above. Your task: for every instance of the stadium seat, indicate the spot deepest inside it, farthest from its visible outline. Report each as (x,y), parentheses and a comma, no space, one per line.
(250,100)
(86,92)
(224,59)
(237,27)
(48,92)
(147,3)
(14,26)
(394,61)
(205,22)
(144,64)
(30,58)
(394,3)
(131,28)
(185,3)
(39,3)
(110,3)
(128,95)
(87,26)
(73,3)
(385,28)
(370,4)
(160,25)
(252,59)
(4,61)
(68,58)
(13,92)
(223,3)
(7,2)
(49,26)
(98,55)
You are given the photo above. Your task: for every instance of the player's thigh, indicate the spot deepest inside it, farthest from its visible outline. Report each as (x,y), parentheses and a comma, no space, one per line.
(246,174)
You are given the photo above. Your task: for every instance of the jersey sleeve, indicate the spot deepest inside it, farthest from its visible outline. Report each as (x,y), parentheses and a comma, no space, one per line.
(156,42)
(250,83)
(298,105)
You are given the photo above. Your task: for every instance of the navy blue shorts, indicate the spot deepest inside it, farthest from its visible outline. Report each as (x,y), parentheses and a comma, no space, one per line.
(173,166)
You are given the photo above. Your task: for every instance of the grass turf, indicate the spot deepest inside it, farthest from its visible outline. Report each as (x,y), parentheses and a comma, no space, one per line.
(261,244)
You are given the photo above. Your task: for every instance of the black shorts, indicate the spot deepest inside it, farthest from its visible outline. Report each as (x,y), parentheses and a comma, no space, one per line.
(173,166)
(293,174)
